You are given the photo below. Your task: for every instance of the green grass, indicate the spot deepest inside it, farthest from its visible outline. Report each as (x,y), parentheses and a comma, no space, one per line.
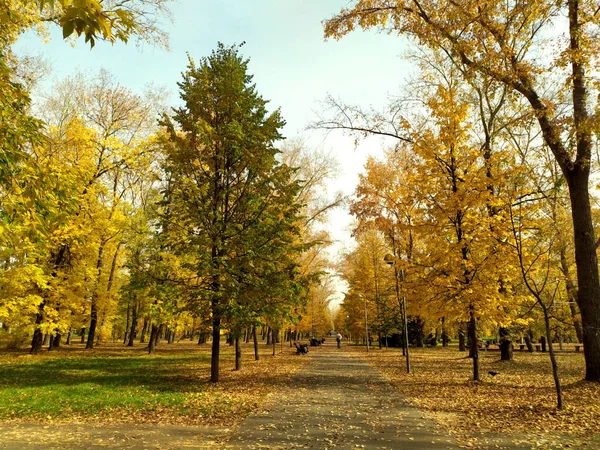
(86,385)
(117,383)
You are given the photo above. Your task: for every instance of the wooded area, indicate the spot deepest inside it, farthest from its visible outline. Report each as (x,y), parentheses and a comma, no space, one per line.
(119,226)
(484,201)
(125,220)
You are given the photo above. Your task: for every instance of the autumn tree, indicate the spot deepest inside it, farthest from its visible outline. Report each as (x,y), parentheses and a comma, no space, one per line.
(537,244)
(116,124)
(314,317)
(108,20)
(370,278)
(22,141)
(112,20)
(503,41)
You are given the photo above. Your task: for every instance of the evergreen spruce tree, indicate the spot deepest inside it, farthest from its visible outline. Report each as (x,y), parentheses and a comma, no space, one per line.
(231,203)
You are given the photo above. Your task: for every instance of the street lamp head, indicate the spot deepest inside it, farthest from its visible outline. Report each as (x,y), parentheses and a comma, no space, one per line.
(389,259)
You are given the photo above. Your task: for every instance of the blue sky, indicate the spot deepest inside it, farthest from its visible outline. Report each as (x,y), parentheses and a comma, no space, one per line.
(292,65)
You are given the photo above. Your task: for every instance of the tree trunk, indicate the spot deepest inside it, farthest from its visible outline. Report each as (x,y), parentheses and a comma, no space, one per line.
(274,339)
(506,350)
(559,400)
(134,321)
(92,328)
(127,323)
(528,342)
(160,334)
(571,294)
(461,338)
(559,336)
(69,337)
(419,326)
(38,336)
(255,339)
(55,341)
(216,341)
(102,322)
(82,331)
(238,354)
(444,333)
(474,349)
(543,342)
(506,345)
(269,336)
(404,337)
(113,268)
(59,259)
(576,322)
(153,338)
(588,296)
(94,298)
(144,330)
(419,339)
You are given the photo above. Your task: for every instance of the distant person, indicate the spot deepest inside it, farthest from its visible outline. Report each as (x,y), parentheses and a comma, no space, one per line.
(338,338)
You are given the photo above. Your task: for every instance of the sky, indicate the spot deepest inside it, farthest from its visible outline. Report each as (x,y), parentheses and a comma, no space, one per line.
(293,67)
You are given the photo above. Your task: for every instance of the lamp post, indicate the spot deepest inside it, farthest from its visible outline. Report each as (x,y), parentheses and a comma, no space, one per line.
(391,260)
(366,322)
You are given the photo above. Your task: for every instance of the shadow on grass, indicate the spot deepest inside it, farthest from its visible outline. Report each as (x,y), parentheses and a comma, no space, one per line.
(79,383)
(161,374)
(169,369)
(183,369)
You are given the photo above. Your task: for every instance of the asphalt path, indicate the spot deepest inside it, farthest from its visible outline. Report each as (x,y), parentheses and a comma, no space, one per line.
(339,401)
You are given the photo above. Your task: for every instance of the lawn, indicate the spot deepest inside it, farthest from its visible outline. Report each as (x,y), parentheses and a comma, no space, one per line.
(519,399)
(117,384)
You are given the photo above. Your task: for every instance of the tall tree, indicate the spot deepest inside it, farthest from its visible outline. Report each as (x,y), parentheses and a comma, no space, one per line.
(230,199)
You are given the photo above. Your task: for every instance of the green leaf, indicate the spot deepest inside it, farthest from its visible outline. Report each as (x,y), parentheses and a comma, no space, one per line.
(68,29)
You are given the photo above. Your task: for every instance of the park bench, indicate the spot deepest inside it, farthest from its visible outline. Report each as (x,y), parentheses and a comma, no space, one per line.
(480,346)
(301,349)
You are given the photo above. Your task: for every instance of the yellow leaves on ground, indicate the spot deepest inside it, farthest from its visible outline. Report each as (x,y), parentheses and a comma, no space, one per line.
(519,399)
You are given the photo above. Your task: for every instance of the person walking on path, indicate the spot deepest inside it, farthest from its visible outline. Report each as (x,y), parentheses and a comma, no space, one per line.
(338,338)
